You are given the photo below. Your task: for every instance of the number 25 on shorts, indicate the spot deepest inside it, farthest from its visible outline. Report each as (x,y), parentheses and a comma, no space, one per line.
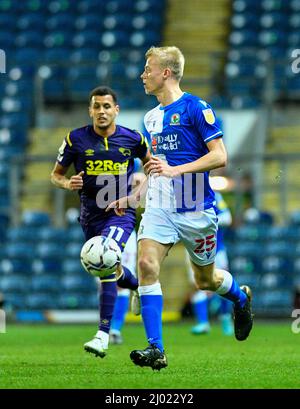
(205,245)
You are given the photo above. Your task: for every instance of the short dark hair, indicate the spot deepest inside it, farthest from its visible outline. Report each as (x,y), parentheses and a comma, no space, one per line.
(103,90)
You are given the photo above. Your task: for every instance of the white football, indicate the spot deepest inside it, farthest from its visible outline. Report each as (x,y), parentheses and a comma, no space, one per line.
(100,256)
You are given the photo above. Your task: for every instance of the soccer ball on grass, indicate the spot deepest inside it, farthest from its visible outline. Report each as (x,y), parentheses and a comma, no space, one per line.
(100,256)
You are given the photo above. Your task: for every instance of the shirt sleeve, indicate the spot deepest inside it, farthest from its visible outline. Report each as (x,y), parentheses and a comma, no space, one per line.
(206,122)
(66,154)
(142,147)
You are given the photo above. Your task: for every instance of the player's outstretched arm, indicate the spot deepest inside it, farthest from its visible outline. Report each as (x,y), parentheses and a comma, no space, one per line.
(134,200)
(59,179)
(215,158)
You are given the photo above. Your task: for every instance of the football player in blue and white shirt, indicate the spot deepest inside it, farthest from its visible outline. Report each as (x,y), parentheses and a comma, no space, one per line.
(186,145)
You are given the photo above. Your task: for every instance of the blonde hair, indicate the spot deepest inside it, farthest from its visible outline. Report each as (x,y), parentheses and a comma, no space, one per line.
(169,57)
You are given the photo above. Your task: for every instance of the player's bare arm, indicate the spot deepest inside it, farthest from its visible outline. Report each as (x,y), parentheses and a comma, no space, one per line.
(59,179)
(215,158)
(139,192)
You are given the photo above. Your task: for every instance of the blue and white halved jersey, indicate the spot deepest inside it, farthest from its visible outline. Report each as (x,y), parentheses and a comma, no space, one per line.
(178,134)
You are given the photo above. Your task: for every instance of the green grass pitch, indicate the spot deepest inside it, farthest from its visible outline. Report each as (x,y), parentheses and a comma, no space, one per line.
(52,356)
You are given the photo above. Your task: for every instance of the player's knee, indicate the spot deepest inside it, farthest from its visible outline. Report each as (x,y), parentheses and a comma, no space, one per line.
(147,268)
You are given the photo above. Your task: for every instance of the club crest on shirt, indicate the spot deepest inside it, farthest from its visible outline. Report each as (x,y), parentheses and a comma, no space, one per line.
(209,116)
(175,119)
(125,151)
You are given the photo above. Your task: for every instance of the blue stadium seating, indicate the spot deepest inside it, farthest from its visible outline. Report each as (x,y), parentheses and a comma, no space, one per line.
(71,266)
(243,265)
(60,22)
(31,21)
(246,248)
(276,299)
(279,248)
(28,55)
(15,266)
(54,54)
(14,301)
(266,31)
(275,264)
(78,283)
(47,266)
(29,38)
(48,250)
(50,32)
(89,21)
(75,233)
(71,217)
(33,218)
(7,40)
(88,7)
(14,283)
(7,22)
(295,219)
(45,283)
(59,6)
(253,280)
(84,55)
(274,280)
(120,21)
(51,234)
(73,301)
(40,301)
(73,249)
(295,262)
(26,233)
(21,250)
(92,301)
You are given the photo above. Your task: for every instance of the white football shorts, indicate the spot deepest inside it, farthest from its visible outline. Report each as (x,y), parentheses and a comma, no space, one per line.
(196,230)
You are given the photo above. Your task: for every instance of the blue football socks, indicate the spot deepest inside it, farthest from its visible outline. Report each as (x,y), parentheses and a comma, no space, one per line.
(152,306)
(200,307)
(230,290)
(120,311)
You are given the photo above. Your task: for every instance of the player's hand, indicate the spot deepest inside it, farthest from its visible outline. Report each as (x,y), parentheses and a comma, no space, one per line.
(76,181)
(157,167)
(120,205)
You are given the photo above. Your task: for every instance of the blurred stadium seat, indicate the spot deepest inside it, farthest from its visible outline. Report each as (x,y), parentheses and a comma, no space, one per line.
(14,283)
(40,301)
(37,219)
(77,283)
(46,283)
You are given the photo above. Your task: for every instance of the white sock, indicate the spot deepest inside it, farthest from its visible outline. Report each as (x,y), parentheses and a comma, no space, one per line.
(226,284)
(152,289)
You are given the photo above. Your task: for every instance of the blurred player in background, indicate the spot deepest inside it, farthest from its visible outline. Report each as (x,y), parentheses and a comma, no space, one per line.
(103,156)
(187,144)
(122,302)
(201,299)
(129,258)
